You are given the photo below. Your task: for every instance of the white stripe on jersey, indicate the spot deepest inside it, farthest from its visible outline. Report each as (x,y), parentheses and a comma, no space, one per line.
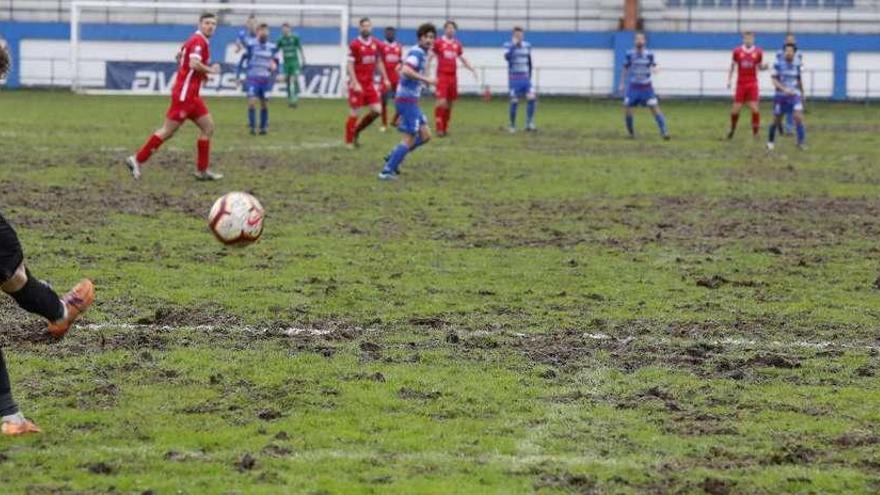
(185,87)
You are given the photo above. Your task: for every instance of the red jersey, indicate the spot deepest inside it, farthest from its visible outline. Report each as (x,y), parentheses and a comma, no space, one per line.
(747,61)
(364,54)
(189,81)
(447,51)
(391,55)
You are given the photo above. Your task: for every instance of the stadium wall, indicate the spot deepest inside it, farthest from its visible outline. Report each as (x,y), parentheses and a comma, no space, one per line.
(691,64)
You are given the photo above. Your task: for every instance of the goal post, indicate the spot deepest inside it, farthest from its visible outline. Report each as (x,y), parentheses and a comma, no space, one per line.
(128,47)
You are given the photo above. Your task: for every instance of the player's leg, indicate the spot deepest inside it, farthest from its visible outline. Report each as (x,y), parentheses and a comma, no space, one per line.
(296,88)
(734,116)
(12,422)
(386,92)
(654,105)
(800,128)
(264,109)
(33,295)
(411,122)
(371,98)
(755,108)
(287,86)
(439,113)
(629,103)
(776,125)
(252,113)
(531,106)
(514,106)
(164,133)
(355,102)
(205,123)
(789,123)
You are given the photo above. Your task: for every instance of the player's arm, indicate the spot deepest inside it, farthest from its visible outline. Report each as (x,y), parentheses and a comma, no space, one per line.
(777,83)
(730,74)
(408,71)
(302,54)
(467,65)
(801,89)
(352,76)
(623,74)
(384,73)
(196,64)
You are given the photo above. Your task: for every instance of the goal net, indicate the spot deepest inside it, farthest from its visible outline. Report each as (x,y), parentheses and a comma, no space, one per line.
(121,47)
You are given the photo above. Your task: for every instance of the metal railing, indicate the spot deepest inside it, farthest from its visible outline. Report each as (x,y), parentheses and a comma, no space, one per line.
(583,81)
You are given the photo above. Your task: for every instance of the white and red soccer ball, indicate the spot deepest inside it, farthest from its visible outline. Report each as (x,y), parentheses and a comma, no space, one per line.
(236,219)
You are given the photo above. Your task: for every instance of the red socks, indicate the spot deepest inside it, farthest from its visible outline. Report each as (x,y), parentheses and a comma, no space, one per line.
(734,118)
(365,122)
(204,146)
(148,148)
(349,129)
(756,123)
(447,116)
(384,112)
(438,119)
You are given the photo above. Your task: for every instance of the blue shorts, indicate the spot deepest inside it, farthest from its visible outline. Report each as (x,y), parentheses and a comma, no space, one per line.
(520,87)
(784,104)
(640,97)
(258,88)
(411,117)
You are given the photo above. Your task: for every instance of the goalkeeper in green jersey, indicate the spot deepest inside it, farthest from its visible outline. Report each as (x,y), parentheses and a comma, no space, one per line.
(294,59)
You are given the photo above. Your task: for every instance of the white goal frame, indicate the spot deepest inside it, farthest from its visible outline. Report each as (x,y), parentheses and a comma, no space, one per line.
(77,6)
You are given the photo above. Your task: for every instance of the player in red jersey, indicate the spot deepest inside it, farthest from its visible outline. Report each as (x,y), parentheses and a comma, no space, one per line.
(193,69)
(448,51)
(748,59)
(363,58)
(392,53)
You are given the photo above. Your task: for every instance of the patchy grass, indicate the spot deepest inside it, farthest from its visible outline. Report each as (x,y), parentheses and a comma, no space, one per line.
(563,312)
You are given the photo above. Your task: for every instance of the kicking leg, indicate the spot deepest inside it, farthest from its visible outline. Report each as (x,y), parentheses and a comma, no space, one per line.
(164,133)
(367,119)
(734,118)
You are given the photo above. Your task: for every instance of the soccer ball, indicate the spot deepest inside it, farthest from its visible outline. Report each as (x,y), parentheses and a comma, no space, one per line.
(236,219)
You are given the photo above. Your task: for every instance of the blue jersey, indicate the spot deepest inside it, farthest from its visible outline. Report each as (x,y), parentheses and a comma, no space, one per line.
(410,90)
(789,75)
(639,64)
(260,57)
(519,60)
(246,37)
(798,57)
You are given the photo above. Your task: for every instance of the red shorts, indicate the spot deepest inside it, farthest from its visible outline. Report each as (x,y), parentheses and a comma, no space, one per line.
(447,87)
(192,108)
(746,93)
(369,96)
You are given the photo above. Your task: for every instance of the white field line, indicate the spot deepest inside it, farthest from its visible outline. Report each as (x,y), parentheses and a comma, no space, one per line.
(264,147)
(295,331)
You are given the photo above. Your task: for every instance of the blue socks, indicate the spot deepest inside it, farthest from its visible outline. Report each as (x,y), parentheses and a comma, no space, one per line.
(789,122)
(395,159)
(772,136)
(418,143)
(661,123)
(264,118)
(252,118)
(530,111)
(629,125)
(514,105)
(801,133)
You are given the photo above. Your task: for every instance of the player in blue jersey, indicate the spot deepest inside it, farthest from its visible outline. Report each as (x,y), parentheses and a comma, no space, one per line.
(635,84)
(518,54)
(413,123)
(799,59)
(261,65)
(789,94)
(245,37)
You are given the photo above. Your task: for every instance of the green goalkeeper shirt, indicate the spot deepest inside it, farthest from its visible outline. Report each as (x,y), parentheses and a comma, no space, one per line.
(290,47)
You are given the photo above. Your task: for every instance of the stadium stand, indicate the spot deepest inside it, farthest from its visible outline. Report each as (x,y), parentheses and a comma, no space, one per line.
(829,16)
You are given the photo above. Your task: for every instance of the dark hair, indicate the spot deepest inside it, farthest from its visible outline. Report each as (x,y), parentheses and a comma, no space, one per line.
(792,45)
(517,29)
(207,15)
(4,62)
(263,26)
(363,20)
(391,28)
(425,29)
(286,24)
(450,22)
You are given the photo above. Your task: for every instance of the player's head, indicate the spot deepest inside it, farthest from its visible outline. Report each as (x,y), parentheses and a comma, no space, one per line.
(286,29)
(449,28)
(640,40)
(208,24)
(4,62)
(426,34)
(390,33)
(366,27)
(263,32)
(251,23)
(748,38)
(518,34)
(789,50)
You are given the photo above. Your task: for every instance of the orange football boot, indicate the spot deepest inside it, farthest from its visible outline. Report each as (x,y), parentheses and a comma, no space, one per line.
(76,302)
(15,429)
